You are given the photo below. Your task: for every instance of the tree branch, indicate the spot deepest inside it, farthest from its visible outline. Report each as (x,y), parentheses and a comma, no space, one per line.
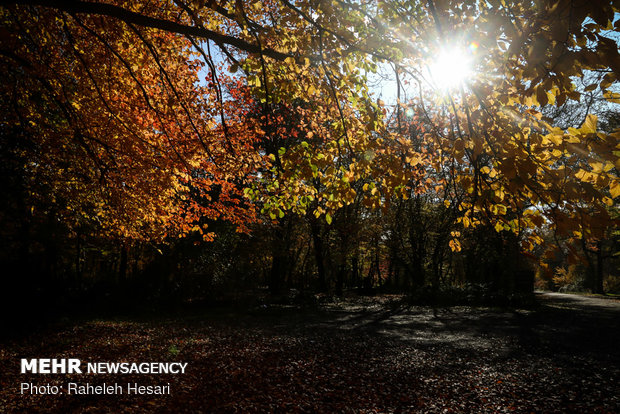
(131,17)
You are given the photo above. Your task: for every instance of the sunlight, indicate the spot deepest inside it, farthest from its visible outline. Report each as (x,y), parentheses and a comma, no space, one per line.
(452,67)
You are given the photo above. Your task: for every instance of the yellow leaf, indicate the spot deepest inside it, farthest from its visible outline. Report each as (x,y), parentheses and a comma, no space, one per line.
(556,139)
(466,222)
(455,245)
(589,126)
(612,97)
(614,189)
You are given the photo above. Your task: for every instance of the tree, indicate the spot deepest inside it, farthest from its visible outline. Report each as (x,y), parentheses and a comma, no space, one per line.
(119,126)
(510,168)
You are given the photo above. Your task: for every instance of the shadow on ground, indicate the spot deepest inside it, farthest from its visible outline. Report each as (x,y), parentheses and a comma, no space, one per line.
(359,355)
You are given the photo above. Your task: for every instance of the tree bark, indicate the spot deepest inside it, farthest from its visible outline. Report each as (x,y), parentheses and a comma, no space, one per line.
(122,269)
(277,263)
(317,239)
(598,278)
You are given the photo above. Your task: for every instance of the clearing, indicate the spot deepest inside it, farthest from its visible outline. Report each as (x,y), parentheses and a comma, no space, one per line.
(367,354)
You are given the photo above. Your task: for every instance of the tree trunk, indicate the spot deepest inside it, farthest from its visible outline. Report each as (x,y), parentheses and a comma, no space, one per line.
(598,278)
(122,269)
(355,274)
(317,239)
(277,263)
(340,279)
(78,256)
(275,275)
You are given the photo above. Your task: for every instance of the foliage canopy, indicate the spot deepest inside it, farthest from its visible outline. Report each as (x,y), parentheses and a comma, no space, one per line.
(154,118)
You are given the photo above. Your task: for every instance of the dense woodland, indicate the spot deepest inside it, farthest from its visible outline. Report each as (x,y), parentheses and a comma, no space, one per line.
(208,150)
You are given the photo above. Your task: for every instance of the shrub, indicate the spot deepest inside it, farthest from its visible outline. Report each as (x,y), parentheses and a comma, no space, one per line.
(567,279)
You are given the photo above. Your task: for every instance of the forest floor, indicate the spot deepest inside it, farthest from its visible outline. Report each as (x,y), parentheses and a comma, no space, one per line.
(364,354)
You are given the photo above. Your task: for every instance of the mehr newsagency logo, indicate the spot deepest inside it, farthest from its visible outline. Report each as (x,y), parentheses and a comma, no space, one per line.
(75,366)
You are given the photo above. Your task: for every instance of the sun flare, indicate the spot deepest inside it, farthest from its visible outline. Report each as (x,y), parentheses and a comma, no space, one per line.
(451,68)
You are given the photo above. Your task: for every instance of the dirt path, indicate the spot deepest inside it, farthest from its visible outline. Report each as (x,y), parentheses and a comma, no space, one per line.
(580,301)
